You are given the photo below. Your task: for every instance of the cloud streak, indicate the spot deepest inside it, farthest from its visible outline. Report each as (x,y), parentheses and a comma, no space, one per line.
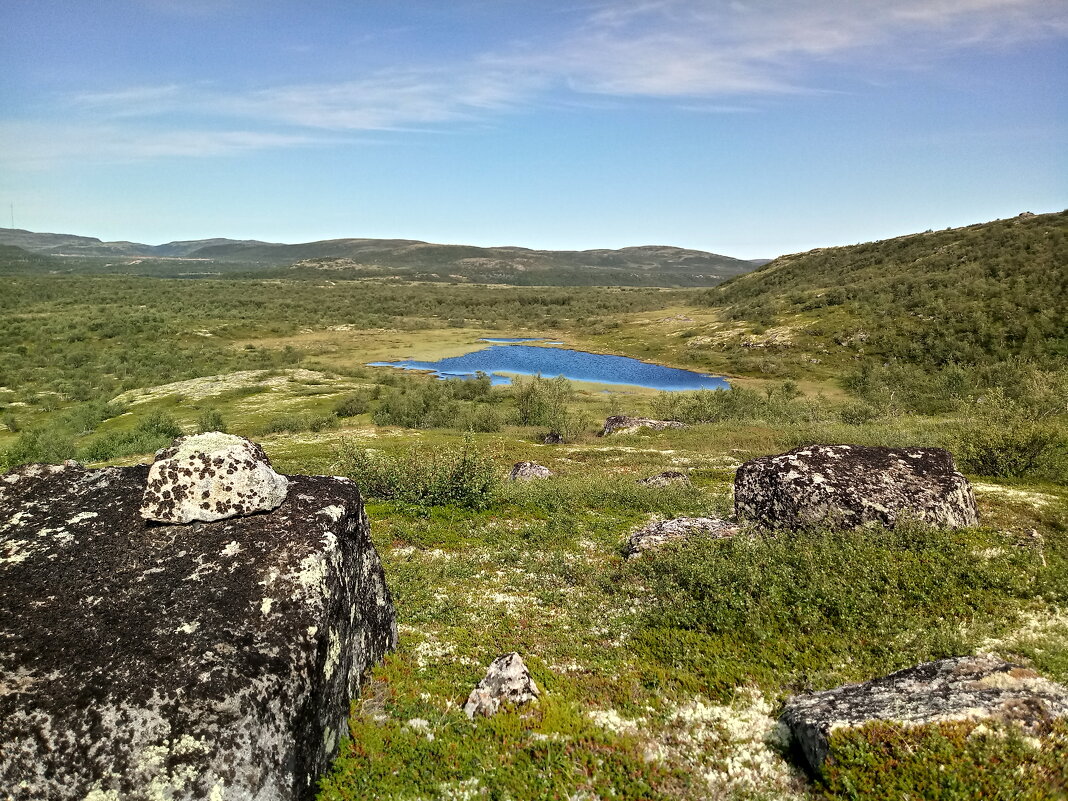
(712,55)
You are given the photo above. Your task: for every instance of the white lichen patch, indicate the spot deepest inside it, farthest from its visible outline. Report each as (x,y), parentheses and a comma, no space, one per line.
(1036,499)
(1032,630)
(78,518)
(333,653)
(611,720)
(265,606)
(735,748)
(188,628)
(233,548)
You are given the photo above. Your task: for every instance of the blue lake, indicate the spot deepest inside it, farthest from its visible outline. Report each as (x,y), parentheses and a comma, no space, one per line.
(500,361)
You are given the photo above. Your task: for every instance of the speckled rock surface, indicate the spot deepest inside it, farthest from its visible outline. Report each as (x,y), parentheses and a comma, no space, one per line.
(622,424)
(211,477)
(846,486)
(529,471)
(507,681)
(661,532)
(209,661)
(665,479)
(980,688)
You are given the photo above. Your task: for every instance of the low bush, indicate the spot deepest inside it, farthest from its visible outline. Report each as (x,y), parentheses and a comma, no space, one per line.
(816,609)
(295,423)
(463,476)
(211,420)
(157,430)
(352,405)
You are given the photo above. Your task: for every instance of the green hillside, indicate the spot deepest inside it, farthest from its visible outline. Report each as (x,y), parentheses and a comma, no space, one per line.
(984,293)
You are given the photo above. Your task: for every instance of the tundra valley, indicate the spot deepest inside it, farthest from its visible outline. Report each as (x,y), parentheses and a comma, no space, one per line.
(667,667)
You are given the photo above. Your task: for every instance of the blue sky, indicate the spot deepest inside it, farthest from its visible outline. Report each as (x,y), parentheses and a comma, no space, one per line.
(744,127)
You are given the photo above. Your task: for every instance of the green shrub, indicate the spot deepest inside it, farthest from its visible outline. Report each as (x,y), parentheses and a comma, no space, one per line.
(294,423)
(11,423)
(418,404)
(464,476)
(955,761)
(541,401)
(482,419)
(155,431)
(211,420)
(47,444)
(352,405)
(1007,439)
(815,609)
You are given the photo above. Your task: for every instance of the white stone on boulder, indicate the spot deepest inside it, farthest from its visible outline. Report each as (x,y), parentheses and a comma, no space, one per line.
(848,486)
(529,471)
(507,681)
(975,688)
(211,476)
(661,532)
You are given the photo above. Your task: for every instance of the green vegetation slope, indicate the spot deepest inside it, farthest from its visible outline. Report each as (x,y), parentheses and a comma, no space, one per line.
(984,293)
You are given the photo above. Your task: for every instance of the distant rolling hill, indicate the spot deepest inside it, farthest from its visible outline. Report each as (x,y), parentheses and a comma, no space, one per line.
(990,292)
(653,265)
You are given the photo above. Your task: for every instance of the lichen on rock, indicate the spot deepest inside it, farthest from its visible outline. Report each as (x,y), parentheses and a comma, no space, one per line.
(529,471)
(208,477)
(625,424)
(507,681)
(213,661)
(847,486)
(976,688)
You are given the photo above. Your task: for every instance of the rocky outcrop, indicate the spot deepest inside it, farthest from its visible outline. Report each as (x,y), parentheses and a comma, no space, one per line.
(622,424)
(661,532)
(507,681)
(206,661)
(665,479)
(211,477)
(529,471)
(846,486)
(962,688)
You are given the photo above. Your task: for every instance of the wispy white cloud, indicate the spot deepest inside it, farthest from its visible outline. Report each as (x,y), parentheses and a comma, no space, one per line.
(39,145)
(703,55)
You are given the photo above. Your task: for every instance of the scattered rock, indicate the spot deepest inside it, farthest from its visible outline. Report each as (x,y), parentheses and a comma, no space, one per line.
(962,688)
(507,681)
(529,471)
(667,478)
(846,486)
(211,477)
(215,660)
(552,438)
(661,532)
(622,424)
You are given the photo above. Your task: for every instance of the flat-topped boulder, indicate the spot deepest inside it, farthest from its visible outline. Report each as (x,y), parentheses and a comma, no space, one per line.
(973,688)
(624,424)
(662,532)
(214,660)
(529,471)
(847,486)
(210,477)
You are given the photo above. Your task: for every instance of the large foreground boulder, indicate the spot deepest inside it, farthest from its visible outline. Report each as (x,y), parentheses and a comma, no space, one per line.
(205,661)
(624,424)
(976,688)
(846,486)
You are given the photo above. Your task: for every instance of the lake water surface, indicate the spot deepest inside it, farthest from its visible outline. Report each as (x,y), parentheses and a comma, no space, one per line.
(502,361)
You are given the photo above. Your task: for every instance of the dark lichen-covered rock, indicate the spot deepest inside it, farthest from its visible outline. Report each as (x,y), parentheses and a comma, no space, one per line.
(207,661)
(210,477)
(624,424)
(661,532)
(846,486)
(973,688)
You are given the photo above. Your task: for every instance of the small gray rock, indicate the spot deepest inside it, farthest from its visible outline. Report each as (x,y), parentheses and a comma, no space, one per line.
(211,476)
(623,424)
(529,471)
(661,532)
(665,479)
(979,688)
(507,681)
(847,486)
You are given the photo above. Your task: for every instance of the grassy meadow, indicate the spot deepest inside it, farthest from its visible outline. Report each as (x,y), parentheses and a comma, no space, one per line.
(661,677)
